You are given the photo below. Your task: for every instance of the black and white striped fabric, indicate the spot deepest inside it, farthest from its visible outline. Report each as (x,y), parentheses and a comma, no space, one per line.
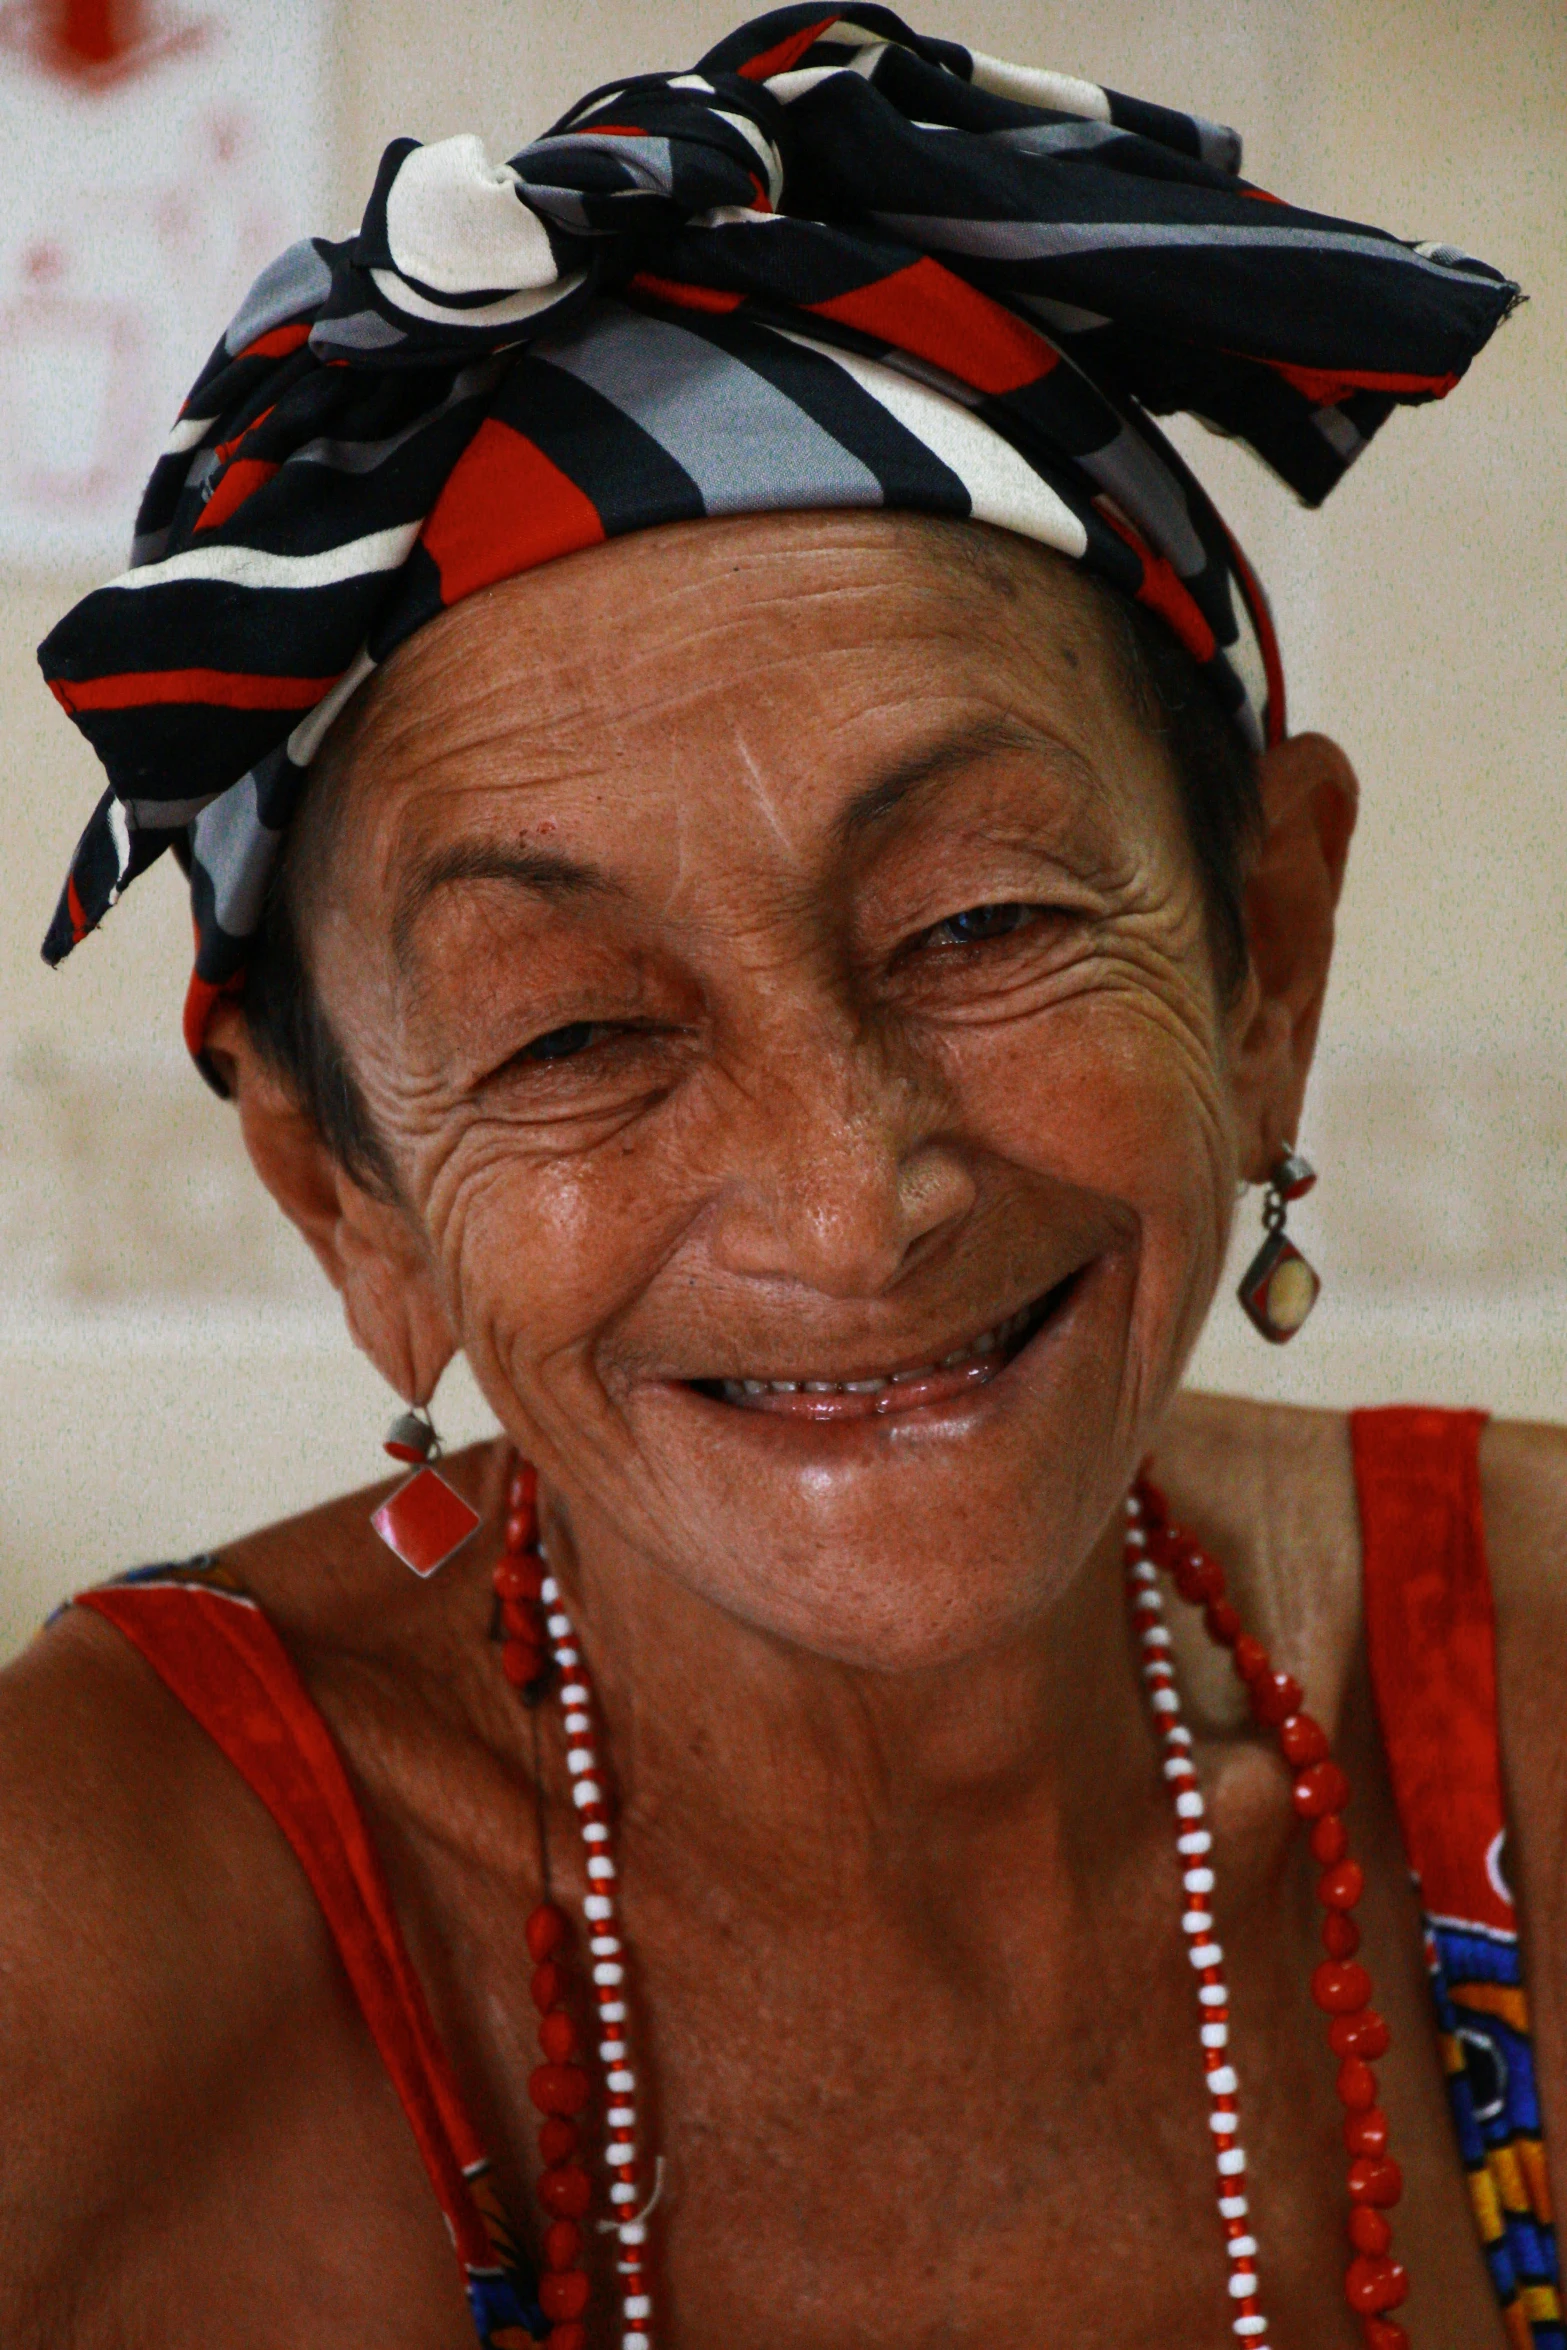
(836,265)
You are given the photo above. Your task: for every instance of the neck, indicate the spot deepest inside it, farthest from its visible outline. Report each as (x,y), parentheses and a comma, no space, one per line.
(740,1756)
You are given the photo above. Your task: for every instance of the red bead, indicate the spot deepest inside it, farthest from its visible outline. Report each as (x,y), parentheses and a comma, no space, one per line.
(1340,1935)
(1366,2133)
(563,2243)
(1341,1988)
(1320,1788)
(518,1579)
(1251,1658)
(1364,2035)
(564,2297)
(1224,1625)
(1302,1741)
(1375,2179)
(1275,1698)
(566,2191)
(1368,2230)
(1375,2284)
(558,2037)
(521,1662)
(1197,1577)
(557,2141)
(561,2088)
(1384,2333)
(521,1527)
(1329,1840)
(524,1487)
(572,2337)
(548,1986)
(545,1932)
(1341,1887)
(520,1617)
(1357,2085)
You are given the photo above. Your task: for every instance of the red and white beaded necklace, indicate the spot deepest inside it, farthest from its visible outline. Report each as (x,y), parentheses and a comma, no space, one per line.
(536,1631)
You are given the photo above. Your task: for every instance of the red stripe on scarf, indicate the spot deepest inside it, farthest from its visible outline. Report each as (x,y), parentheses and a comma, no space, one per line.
(668,289)
(1326,386)
(278,343)
(787,53)
(505,507)
(227,689)
(1163,590)
(243,476)
(933,315)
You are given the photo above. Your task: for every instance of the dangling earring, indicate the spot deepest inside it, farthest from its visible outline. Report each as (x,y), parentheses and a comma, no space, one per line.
(1279,1288)
(424,1521)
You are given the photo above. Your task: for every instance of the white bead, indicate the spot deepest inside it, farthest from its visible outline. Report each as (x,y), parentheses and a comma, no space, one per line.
(636,2341)
(604,1945)
(1216,2035)
(633,2231)
(622,2081)
(1233,2207)
(1243,2247)
(1157,1637)
(566,1656)
(1164,1701)
(608,1972)
(612,2011)
(1206,1954)
(594,1832)
(1249,2327)
(1178,1735)
(559,1626)
(1179,1766)
(574,1693)
(622,2191)
(549,1590)
(1195,1880)
(1142,1572)
(638,2305)
(620,2150)
(1223,2081)
(622,2117)
(578,1725)
(1197,1921)
(1222,2124)
(586,1791)
(578,1760)
(1232,2162)
(1189,1806)
(1194,1840)
(597,1905)
(1213,1995)
(611,2051)
(600,1865)
(1243,2284)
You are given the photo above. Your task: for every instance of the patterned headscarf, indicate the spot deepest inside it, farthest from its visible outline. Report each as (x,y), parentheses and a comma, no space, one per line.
(836,265)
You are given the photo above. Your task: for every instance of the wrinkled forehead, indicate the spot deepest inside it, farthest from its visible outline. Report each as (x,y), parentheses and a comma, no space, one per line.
(833,641)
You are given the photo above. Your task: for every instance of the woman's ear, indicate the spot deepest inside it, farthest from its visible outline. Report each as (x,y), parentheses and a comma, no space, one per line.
(1309,802)
(367,1245)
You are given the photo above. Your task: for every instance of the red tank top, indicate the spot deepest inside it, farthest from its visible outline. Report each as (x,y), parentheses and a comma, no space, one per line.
(1431,1642)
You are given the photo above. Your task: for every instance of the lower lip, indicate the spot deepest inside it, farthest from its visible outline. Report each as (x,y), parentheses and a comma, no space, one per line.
(936,1386)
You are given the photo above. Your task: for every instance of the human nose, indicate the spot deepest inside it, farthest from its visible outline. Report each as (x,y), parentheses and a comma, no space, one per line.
(834,1176)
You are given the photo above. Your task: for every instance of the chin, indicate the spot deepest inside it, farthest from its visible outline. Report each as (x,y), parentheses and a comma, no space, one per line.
(903,1525)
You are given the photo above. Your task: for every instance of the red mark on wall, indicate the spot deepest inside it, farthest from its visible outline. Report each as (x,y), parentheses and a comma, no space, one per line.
(94,43)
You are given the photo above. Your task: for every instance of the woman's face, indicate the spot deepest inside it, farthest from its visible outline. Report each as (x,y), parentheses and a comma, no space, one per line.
(772,955)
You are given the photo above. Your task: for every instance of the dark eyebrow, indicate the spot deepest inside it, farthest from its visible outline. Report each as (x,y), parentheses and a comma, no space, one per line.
(544,874)
(944,757)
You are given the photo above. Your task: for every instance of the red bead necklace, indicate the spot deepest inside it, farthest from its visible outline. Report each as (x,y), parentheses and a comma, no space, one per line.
(537,1634)
(1374,2282)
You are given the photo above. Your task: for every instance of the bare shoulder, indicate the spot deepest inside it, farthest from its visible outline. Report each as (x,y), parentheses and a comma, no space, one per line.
(132,1971)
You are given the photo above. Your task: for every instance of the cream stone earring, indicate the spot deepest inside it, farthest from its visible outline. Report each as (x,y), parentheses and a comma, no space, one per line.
(1279,1288)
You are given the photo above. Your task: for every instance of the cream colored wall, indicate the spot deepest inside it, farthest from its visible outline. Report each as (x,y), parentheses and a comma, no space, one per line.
(169,1370)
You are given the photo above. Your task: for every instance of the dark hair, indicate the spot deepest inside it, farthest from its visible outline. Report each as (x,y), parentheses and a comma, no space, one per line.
(1215,772)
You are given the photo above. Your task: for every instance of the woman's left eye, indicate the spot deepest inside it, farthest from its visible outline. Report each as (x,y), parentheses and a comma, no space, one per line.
(977,925)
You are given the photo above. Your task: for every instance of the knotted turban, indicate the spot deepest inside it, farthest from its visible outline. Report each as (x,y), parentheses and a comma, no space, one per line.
(838,264)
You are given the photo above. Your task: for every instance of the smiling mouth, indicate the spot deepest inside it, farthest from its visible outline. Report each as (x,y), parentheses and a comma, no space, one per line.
(973,1364)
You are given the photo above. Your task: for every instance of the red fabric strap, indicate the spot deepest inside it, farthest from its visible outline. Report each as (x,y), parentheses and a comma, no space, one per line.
(1431,1639)
(217,1653)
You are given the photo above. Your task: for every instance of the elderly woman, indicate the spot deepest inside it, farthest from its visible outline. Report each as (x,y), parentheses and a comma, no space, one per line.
(749,875)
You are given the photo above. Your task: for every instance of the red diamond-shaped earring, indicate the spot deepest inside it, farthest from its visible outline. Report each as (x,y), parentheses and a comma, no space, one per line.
(1279,1288)
(425,1521)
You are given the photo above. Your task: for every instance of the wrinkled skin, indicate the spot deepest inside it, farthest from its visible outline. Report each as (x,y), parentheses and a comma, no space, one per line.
(913,2006)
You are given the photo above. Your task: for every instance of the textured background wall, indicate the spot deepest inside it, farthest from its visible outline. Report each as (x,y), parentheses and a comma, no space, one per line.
(169,1369)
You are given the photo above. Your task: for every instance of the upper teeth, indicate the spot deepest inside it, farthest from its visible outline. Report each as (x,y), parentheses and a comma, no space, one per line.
(986,1343)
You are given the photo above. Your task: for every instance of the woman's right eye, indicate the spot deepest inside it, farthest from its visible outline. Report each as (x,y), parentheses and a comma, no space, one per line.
(561,1044)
